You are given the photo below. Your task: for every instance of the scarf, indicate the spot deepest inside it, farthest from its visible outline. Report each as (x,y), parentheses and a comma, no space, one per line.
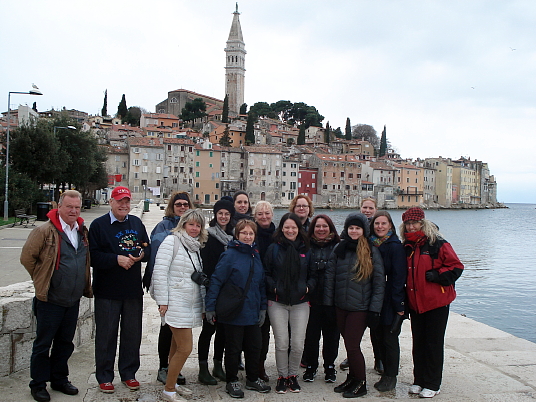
(322,242)
(415,239)
(190,243)
(347,243)
(378,241)
(219,234)
(291,263)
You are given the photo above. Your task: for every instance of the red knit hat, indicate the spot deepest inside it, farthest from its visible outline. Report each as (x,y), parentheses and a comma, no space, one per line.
(413,214)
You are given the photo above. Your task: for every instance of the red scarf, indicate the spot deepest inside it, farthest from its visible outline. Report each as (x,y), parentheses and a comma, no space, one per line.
(416,238)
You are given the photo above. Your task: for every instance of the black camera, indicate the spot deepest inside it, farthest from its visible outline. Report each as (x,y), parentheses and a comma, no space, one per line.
(200,278)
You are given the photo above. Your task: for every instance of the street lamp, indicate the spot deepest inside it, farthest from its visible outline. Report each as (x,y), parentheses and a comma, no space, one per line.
(33,91)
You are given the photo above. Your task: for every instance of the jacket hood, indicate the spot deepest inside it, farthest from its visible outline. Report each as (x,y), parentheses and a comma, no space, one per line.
(243,247)
(54,217)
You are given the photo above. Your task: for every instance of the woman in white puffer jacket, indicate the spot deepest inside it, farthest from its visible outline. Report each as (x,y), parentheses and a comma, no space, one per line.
(179,297)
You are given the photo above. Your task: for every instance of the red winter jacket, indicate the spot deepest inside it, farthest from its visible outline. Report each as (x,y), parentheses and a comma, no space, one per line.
(424,295)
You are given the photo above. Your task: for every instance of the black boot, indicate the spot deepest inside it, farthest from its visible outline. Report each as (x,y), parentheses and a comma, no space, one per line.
(217,371)
(204,376)
(378,366)
(341,388)
(358,388)
(386,383)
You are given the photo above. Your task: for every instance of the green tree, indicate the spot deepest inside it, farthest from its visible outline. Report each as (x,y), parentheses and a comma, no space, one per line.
(23,191)
(104,111)
(250,128)
(122,109)
(262,109)
(348,130)
(133,116)
(327,134)
(193,110)
(282,109)
(225,113)
(383,142)
(338,133)
(301,135)
(225,140)
(244,108)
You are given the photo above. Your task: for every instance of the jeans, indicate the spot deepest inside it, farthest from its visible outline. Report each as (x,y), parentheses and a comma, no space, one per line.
(352,325)
(428,333)
(322,322)
(109,314)
(55,329)
(281,317)
(240,338)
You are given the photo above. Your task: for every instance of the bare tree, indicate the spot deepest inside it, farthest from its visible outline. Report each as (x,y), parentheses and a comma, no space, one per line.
(366,133)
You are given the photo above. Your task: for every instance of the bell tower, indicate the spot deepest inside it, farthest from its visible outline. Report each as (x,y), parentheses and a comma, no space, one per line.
(235,56)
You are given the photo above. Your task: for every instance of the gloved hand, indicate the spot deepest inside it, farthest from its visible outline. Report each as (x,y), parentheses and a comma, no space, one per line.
(432,276)
(373,319)
(262,317)
(211,317)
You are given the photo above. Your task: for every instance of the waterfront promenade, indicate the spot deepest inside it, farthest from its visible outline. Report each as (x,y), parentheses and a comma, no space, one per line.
(481,363)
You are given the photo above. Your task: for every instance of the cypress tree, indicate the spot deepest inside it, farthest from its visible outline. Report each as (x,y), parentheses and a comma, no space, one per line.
(301,135)
(348,130)
(122,109)
(104,111)
(250,128)
(383,142)
(225,113)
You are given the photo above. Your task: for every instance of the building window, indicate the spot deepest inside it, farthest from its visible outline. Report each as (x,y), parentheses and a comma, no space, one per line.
(158,169)
(196,174)
(173,100)
(197,184)
(136,162)
(144,169)
(158,183)
(196,164)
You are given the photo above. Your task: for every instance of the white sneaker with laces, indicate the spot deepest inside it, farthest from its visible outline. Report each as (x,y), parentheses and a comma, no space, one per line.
(172,397)
(415,389)
(428,393)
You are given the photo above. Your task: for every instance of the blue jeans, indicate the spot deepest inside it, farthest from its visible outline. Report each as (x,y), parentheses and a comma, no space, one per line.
(53,344)
(109,314)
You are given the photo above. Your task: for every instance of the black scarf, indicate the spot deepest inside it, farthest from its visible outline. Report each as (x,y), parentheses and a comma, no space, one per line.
(347,243)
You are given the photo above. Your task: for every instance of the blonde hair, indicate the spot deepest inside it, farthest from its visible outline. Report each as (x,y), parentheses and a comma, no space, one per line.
(69,193)
(429,229)
(363,265)
(262,205)
(373,200)
(195,215)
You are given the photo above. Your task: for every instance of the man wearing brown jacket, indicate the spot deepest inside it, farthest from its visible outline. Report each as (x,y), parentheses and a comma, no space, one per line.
(57,259)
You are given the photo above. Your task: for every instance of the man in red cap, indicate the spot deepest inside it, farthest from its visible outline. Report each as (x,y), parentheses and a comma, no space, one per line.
(118,243)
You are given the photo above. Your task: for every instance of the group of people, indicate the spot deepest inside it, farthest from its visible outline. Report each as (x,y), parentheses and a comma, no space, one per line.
(237,279)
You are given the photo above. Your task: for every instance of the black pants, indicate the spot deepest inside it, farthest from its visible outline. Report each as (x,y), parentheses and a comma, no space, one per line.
(109,316)
(164,345)
(203,344)
(322,322)
(386,348)
(265,332)
(53,344)
(428,332)
(242,338)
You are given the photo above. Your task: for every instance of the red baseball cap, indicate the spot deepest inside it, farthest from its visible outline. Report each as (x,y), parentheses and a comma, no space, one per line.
(121,192)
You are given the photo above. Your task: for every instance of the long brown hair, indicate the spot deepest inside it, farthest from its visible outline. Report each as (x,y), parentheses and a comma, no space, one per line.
(363,265)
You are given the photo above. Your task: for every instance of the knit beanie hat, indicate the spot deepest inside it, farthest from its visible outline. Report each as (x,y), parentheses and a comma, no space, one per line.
(357,219)
(413,214)
(224,204)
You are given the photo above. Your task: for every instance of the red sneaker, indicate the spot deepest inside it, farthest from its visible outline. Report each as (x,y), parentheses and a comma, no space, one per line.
(107,387)
(132,384)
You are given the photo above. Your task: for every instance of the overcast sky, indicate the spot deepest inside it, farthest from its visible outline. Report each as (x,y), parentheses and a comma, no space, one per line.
(448,78)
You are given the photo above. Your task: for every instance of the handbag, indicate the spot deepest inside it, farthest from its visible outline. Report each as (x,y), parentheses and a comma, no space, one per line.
(231,298)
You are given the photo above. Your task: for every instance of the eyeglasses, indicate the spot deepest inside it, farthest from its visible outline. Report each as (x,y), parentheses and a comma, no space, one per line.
(181,204)
(302,206)
(247,233)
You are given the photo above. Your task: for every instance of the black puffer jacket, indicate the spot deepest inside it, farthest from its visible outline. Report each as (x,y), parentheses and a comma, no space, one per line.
(346,293)
(275,275)
(320,253)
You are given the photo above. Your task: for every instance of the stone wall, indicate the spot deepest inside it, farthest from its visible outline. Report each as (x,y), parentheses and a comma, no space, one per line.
(17,322)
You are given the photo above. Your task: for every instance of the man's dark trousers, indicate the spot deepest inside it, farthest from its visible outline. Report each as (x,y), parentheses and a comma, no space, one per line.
(56,326)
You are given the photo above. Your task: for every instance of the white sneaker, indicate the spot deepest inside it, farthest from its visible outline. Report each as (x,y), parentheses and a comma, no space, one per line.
(415,389)
(182,390)
(428,393)
(172,398)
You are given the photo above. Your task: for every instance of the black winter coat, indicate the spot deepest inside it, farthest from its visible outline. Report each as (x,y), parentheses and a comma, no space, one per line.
(320,253)
(347,294)
(275,275)
(210,254)
(396,272)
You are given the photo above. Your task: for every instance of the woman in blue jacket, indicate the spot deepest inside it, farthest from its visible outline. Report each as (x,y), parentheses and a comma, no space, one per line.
(242,332)
(385,337)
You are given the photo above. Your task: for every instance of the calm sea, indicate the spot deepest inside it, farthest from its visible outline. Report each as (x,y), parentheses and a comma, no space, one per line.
(498,286)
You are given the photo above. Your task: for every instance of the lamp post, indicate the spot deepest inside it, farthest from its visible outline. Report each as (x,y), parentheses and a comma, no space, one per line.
(33,91)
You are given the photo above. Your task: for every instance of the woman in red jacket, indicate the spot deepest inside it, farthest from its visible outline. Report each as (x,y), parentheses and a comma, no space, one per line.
(433,267)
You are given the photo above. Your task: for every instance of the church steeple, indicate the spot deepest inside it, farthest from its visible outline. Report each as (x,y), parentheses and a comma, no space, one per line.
(235,65)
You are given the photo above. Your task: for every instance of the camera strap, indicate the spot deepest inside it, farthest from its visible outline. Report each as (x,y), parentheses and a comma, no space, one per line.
(198,259)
